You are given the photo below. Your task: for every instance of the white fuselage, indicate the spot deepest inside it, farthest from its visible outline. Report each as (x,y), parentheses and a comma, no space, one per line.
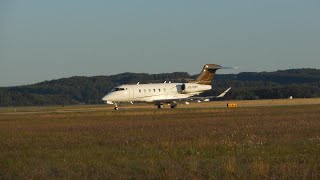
(154,92)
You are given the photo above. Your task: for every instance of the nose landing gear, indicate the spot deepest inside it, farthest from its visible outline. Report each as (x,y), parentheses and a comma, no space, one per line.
(116,108)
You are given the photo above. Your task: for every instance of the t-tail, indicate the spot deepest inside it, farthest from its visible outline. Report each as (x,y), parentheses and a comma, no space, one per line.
(207,74)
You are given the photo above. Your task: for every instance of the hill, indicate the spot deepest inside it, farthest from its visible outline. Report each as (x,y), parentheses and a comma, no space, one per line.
(302,83)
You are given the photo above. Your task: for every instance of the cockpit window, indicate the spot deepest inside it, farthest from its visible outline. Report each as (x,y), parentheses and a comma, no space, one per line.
(118,89)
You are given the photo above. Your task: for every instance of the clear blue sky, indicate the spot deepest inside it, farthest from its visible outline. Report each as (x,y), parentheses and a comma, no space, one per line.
(44,40)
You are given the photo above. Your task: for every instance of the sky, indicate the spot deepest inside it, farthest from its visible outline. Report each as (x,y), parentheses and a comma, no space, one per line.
(44,40)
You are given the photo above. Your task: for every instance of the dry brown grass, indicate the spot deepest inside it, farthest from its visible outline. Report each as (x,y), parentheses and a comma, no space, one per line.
(246,142)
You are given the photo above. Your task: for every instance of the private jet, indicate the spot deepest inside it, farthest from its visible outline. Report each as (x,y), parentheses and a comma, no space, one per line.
(167,92)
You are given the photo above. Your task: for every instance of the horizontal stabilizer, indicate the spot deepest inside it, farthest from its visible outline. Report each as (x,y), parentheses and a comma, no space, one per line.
(229,67)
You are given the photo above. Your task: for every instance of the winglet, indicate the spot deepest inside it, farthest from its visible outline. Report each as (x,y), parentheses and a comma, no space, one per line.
(224,93)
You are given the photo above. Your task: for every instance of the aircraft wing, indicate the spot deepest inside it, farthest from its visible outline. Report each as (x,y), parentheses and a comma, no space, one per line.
(213,97)
(206,98)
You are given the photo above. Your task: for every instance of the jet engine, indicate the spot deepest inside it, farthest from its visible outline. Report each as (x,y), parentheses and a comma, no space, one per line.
(183,87)
(192,88)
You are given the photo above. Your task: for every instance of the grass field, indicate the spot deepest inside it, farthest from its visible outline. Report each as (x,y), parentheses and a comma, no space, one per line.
(246,142)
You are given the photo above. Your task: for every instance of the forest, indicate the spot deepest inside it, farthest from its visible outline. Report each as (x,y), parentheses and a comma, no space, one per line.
(299,83)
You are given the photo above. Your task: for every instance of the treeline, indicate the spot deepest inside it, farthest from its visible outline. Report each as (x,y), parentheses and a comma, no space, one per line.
(299,83)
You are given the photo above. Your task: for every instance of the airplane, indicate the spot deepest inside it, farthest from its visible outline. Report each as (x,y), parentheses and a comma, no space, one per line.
(167,92)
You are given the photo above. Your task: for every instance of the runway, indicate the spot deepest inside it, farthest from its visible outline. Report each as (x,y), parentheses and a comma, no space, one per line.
(142,106)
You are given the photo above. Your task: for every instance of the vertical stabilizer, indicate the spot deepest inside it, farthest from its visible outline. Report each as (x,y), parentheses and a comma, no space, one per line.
(207,74)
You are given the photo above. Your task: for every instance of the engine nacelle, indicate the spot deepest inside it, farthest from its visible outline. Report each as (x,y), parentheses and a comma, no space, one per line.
(192,88)
(183,87)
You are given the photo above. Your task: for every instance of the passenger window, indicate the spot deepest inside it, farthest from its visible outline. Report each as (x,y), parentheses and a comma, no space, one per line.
(154,90)
(159,90)
(144,91)
(139,91)
(149,90)
(164,89)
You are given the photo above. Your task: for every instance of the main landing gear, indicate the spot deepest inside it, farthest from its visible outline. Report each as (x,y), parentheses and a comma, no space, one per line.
(173,106)
(161,106)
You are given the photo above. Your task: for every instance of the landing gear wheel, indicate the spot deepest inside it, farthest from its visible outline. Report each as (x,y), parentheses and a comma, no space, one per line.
(173,106)
(160,106)
(116,108)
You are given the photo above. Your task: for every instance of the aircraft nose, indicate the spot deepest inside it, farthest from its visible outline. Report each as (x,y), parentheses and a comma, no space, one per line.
(107,97)
(107,100)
